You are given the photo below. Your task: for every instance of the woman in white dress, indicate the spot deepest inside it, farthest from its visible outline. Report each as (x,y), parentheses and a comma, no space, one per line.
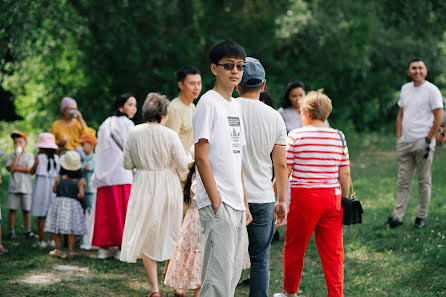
(154,212)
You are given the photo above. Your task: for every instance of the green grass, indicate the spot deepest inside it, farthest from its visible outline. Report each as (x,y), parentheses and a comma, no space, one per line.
(378,261)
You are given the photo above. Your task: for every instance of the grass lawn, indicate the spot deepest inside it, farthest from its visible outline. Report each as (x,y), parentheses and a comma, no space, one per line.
(378,261)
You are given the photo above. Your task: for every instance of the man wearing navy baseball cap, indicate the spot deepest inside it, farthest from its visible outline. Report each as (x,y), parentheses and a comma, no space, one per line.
(265,135)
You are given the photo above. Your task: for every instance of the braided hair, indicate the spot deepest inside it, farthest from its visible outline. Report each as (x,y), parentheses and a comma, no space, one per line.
(187,186)
(50,154)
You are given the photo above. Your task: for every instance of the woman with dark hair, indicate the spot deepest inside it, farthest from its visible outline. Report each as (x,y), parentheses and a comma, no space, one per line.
(111,179)
(155,206)
(290,110)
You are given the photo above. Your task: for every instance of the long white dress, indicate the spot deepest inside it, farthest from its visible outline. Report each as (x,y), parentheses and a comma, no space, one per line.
(155,208)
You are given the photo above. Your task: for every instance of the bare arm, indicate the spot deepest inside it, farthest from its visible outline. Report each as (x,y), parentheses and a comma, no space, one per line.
(81,120)
(36,162)
(56,183)
(344,180)
(245,199)
(13,167)
(281,181)
(438,118)
(280,169)
(80,187)
(399,123)
(206,174)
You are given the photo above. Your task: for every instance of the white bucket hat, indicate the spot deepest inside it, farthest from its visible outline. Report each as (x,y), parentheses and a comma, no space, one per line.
(71,161)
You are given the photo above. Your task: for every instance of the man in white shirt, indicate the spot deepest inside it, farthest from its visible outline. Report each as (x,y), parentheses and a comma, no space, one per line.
(266,137)
(418,120)
(221,199)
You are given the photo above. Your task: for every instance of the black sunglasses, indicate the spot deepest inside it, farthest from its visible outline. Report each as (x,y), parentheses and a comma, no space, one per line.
(230,66)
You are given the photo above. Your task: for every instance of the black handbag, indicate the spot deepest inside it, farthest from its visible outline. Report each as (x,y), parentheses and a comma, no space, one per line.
(352,207)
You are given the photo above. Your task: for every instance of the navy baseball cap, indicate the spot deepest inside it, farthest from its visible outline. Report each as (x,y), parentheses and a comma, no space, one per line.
(254,73)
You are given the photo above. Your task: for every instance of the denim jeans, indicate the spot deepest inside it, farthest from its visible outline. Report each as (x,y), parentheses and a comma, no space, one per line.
(260,233)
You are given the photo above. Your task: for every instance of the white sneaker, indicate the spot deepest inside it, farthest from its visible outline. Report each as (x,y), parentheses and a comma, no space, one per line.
(105,253)
(41,244)
(118,255)
(280,295)
(52,243)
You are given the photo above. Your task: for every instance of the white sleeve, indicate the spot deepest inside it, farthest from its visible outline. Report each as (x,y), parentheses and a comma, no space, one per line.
(9,159)
(436,100)
(179,154)
(282,137)
(127,158)
(400,99)
(203,121)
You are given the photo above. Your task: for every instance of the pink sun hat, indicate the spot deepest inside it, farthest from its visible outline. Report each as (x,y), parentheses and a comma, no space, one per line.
(46,140)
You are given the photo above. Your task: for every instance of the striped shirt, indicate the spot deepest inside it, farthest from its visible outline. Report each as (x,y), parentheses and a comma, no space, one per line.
(315,154)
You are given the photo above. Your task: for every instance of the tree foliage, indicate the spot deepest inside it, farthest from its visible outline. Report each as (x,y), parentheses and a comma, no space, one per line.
(93,50)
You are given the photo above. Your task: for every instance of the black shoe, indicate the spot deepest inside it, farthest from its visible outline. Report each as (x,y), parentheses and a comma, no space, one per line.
(12,235)
(245,282)
(30,234)
(419,223)
(393,223)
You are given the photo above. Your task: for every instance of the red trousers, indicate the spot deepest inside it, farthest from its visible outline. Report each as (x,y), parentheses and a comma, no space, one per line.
(317,210)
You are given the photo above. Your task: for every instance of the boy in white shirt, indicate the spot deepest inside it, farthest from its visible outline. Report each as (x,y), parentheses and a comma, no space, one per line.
(221,199)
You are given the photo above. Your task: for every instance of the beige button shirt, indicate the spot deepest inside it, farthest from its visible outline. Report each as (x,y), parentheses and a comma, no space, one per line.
(180,120)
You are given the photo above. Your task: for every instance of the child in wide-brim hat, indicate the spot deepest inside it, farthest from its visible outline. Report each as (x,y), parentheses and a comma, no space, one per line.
(65,215)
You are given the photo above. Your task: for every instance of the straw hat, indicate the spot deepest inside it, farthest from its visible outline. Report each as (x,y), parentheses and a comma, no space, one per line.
(46,140)
(71,161)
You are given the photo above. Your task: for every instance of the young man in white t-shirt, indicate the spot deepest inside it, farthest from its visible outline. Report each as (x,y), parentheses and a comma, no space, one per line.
(221,199)
(418,120)
(266,138)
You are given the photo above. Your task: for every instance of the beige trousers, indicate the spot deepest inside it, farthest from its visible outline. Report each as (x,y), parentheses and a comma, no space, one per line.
(222,242)
(411,157)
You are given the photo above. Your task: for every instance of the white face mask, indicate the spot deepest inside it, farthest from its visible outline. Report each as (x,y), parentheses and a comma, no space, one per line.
(19,150)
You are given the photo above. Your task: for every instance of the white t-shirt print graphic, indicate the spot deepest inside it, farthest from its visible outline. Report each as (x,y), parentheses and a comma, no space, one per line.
(234,127)
(219,121)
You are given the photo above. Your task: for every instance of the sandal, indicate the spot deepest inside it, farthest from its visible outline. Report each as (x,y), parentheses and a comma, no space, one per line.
(70,255)
(56,253)
(155,294)
(182,294)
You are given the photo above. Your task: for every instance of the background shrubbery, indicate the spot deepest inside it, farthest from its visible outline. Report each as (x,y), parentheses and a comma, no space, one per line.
(93,50)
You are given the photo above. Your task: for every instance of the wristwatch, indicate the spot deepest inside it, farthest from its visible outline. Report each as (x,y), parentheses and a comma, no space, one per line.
(428,140)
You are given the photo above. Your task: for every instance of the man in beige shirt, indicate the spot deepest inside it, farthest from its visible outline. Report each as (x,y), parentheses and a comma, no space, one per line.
(181,109)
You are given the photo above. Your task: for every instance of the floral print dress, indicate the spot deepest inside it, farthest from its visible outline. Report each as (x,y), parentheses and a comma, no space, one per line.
(184,271)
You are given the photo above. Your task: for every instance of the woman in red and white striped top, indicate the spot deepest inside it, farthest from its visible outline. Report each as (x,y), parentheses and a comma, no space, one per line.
(320,174)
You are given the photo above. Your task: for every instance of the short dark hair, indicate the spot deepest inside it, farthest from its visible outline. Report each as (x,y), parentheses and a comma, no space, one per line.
(226,48)
(155,107)
(120,101)
(245,89)
(415,60)
(185,71)
(292,85)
